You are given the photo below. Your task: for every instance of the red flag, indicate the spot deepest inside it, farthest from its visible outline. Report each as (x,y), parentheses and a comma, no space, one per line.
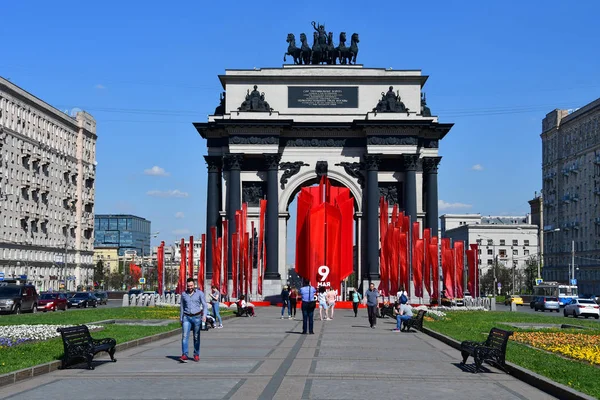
(448,268)
(433,259)
(247,267)
(403,251)
(160,258)
(459,247)
(202,262)
(224,275)
(384,250)
(182,254)
(426,263)
(234,264)
(216,257)
(418,267)
(261,241)
(251,253)
(191,258)
(473,269)
(394,264)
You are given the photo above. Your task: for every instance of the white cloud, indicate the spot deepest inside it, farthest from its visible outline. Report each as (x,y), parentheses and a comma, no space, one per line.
(156,171)
(477,167)
(179,215)
(442,205)
(181,232)
(167,193)
(99,86)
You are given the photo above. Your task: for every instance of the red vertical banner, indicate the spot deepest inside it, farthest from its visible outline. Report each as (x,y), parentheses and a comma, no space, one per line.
(160,259)
(473,263)
(247,288)
(201,262)
(433,259)
(223,273)
(191,258)
(234,264)
(216,264)
(459,247)
(182,270)
(426,262)
(448,268)
(261,241)
(418,259)
(384,247)
(251,253)
(403,251)
(394,265)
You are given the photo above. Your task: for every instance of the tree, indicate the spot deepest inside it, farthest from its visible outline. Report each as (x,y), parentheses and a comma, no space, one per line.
(503,277)
(530,272)
(114,280)
(99,272)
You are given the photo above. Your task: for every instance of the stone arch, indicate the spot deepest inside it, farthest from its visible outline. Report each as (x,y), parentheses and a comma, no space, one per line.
(298,181)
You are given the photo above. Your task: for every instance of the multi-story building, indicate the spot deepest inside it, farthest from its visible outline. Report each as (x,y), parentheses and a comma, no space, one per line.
(109,257)
(512,240)
(571,195)
(177,251)
(47,184)
(126,232)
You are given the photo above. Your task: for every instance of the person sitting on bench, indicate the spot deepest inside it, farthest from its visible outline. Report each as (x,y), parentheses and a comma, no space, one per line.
(403,314)
(244,306)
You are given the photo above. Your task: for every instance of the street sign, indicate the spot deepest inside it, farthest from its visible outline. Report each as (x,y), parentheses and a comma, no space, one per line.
(499,285)
(573,281)
(142,280)
(1,276)
(539,281)
(23,277)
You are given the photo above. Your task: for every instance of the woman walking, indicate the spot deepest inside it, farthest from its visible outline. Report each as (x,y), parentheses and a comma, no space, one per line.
(293,301)
(331,297)
(215,303)
(322,297)
(285,299)
(356,298)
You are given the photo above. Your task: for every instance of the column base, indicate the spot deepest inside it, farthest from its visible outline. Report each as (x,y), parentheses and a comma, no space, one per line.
(273,275)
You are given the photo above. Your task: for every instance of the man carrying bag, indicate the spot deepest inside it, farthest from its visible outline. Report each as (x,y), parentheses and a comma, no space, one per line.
(308,307)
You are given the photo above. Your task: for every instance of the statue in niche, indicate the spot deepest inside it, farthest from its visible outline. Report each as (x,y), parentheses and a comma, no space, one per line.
(425,111)
(390,102)
(255,101)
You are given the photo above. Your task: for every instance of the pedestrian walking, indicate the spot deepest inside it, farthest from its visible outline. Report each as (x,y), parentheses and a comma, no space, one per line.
(285,300)
(193,305)
(322,297)
(215,302)
(331,297)
(356,298)
(293,301)
(307,293)
(371,296)
(403,313)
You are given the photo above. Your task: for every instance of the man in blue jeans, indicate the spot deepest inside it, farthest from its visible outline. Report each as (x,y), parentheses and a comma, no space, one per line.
(193,304)
(308,307)
(403,314)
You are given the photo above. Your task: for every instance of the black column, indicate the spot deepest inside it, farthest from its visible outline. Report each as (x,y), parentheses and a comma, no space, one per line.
(430,166)
(410,185)
(272,218)
(213,207)
(372,167)
(233,162)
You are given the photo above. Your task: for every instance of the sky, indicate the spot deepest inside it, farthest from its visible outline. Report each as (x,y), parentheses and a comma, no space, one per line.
(147,70)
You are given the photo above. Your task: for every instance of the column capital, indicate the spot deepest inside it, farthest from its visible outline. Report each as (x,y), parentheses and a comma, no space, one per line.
(430,164)
(372,162)
(213,163)
(233,161)
(410,162)
(272,160)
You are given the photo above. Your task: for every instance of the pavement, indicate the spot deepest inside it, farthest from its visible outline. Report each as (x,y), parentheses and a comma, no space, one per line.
(267,358)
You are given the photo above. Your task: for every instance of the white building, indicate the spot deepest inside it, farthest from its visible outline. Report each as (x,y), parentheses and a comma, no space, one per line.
(47,190)
(512,239)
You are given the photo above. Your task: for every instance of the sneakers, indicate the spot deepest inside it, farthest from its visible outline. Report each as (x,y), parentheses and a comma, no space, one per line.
(282,317)
(183,358)
(290,317)
(327,319)
(196,358)
(396,330)
(220,327)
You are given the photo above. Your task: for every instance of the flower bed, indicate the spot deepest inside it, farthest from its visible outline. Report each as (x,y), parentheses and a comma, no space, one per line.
(578,346)
(13,335)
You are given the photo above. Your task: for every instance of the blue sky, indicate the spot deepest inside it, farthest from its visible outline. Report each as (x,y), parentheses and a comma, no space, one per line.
(147,70)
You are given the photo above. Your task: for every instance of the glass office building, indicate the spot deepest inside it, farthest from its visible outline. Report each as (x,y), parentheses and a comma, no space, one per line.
(127,232)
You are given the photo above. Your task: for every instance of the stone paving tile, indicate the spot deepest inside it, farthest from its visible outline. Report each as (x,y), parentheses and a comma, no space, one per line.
(266,358)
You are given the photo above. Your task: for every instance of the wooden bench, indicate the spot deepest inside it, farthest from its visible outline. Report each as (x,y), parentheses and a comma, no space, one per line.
(79,344)
(416,321)
(493,350)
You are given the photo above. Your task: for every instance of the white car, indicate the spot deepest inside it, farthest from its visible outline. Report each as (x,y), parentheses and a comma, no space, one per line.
(582,307)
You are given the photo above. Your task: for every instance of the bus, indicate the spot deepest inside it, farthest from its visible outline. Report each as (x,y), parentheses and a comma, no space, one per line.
(565,293)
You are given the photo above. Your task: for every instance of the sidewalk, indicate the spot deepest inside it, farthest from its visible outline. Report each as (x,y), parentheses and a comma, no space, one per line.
(267,358)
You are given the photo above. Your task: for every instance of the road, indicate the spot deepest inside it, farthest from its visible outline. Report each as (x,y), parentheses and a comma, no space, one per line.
(527,309)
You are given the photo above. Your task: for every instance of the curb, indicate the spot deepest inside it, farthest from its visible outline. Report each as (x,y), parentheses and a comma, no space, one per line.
(531,378)
(41,369)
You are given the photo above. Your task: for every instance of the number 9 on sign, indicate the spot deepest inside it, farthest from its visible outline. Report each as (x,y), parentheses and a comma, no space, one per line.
(324,272)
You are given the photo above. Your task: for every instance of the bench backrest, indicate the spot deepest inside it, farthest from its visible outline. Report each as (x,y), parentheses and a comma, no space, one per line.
(421,314)
(498,339)
(76,335)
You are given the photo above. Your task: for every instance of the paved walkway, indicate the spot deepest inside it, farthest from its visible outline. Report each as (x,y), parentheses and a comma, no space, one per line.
(267,358)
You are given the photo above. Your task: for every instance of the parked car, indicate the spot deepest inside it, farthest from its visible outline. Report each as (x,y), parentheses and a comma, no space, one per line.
(102,297)
(17,298)
(518,300)
(83,300)
(582,307)
(52,301)
(546,303)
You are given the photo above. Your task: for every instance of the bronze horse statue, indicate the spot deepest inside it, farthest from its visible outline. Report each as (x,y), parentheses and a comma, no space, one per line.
(332,53)
(292,50)
(305,51)
(354,47)
(343,52)
(318,53)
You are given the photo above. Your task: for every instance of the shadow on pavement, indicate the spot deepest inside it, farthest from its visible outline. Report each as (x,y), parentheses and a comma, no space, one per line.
(471,368)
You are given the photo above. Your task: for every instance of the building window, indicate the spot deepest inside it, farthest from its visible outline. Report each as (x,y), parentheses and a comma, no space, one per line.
(526,252)
(515,242)
(515,252)
(502,242)
(502,253)
(490,252)
(490,242)
(490,262)
(525,242)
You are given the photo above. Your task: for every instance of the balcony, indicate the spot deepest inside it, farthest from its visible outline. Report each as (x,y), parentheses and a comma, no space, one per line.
(575,197)
(574,168)
(565,171)
(597,191)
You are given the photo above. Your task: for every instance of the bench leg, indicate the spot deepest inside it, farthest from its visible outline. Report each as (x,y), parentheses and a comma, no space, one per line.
(111,353)
(465,356)
(89,358)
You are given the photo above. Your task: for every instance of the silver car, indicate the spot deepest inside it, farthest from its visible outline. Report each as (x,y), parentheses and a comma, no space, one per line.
(544,303)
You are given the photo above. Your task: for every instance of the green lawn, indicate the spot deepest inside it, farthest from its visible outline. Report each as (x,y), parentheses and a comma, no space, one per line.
(30,354)
(475,325)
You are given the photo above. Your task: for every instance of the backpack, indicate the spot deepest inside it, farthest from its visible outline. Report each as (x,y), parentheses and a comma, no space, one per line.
(403,298)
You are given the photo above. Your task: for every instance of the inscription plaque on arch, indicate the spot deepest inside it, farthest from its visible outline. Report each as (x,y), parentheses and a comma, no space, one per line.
(322,97)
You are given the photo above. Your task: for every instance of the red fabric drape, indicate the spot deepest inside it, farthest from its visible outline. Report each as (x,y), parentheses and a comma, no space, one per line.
(191,258)
(394,264)
(216,257)
(234,264)
(459,248)
(251,253)
(448,268)
(160,258)
(182,271)
(261,241)
(385,250)
(202,261)
(473,271)
(433,259)
(418,267)
(403,251)
(470,282)
(247,263)
(426,262)
(223,273)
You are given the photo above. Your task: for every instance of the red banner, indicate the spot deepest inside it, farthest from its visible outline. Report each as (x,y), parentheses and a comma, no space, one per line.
(404,270)
(223,269)
(426,262)
(459,248)
(160,261)
(433,260)
(216,256)
(418,267)
(394,264)
(234,264)
(201,262)
(191,258)
(261,241)
(182,271)
(251,253)
(385,250)
(448,268)
(473,269)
